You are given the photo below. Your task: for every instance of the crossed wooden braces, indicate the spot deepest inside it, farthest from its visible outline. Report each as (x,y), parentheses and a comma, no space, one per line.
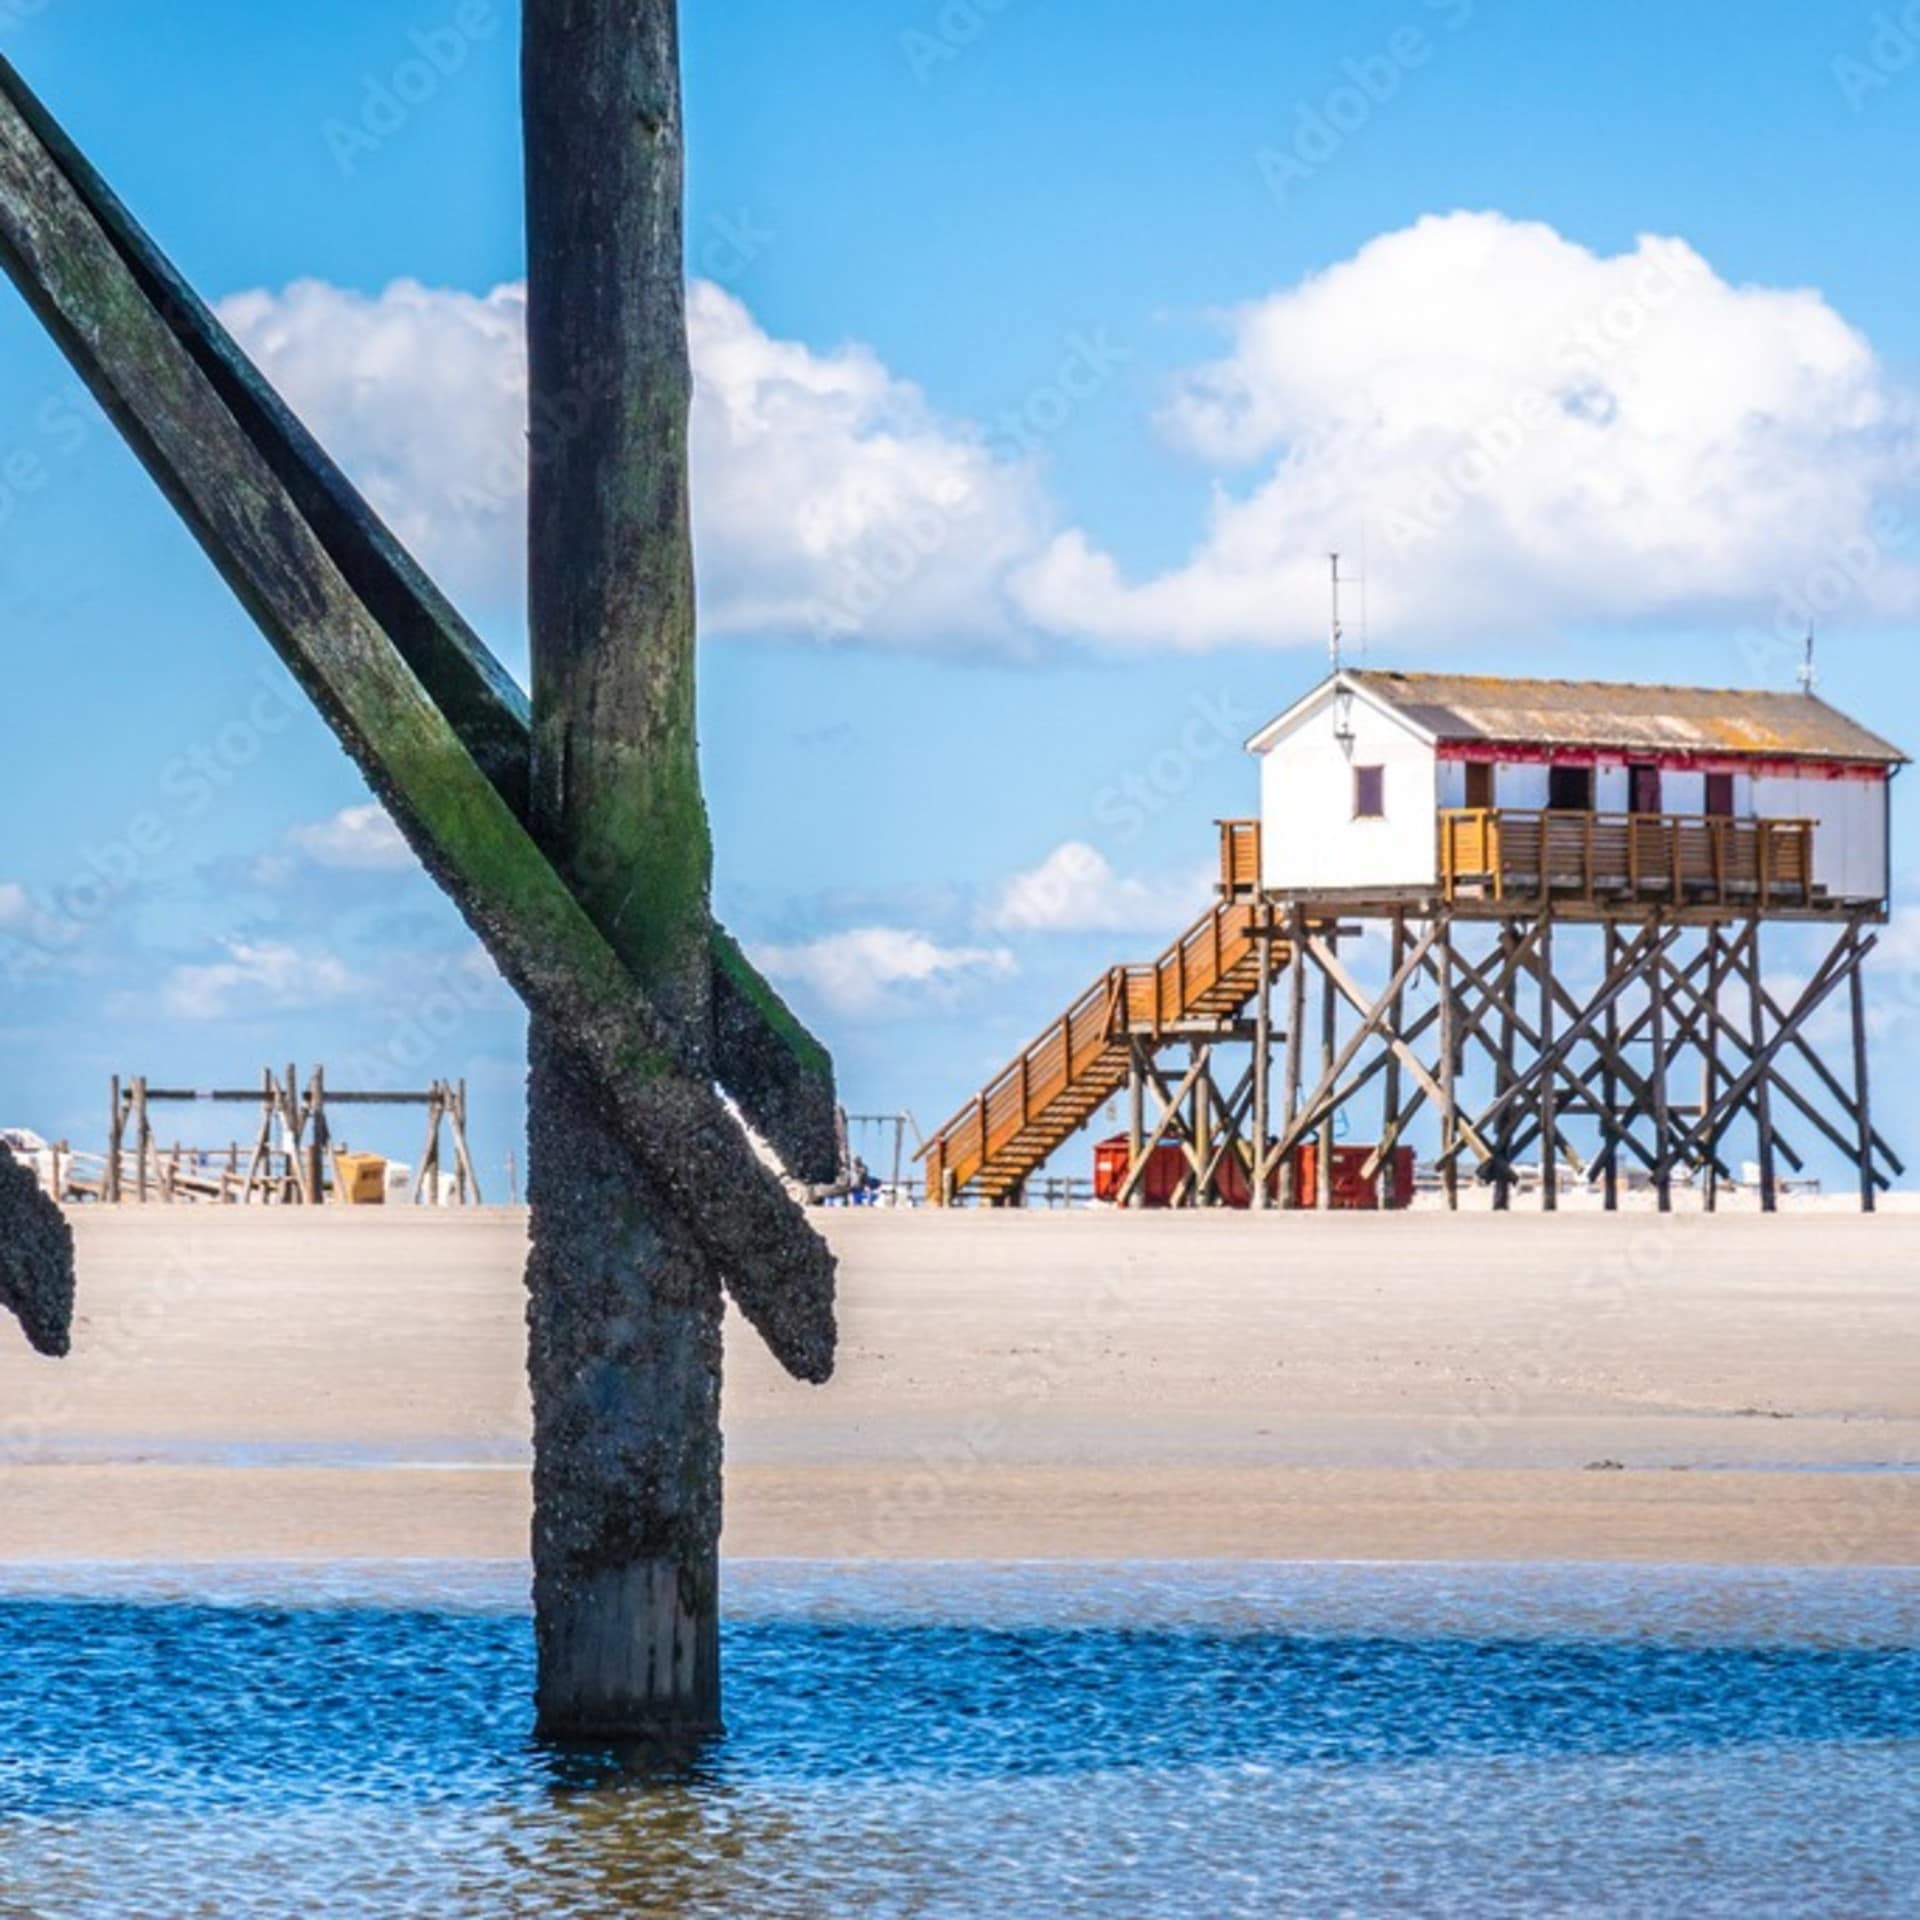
(435,723)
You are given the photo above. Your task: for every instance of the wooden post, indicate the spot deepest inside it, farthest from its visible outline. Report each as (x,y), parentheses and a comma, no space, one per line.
(1504,1067)
(1762,1091)
(1296,1042)
(142,1133)
(626,1315)
(1202,1123)
(1390,1098)
(1329,1035)
(1662,1122)
(1609,1075)
(1262,1196)
(116,1140)
(1857,990)
(1549,1080)
(1136,1120)
(1449,1071)
(316,1154)
(1710,1058)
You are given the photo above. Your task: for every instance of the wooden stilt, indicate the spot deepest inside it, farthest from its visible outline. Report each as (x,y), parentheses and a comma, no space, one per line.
(1390,1095)
(1263,1075)
(1201,1151)
(1609,1077)
(116,1143)
(1296,1041)
(1857,990)
(1449,1074)
(1136,1121)
(1549,1080)
(1329,1034)
(1662,1122)
(1503,1078)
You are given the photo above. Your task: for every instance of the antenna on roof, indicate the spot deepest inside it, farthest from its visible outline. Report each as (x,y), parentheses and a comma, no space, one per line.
(1809,673)
(1338,633)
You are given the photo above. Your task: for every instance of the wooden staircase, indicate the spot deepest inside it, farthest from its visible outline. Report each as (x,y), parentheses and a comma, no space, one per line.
(1055,1086)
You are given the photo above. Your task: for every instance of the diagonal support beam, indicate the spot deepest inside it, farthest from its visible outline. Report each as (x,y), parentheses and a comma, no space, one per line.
(1329,964)
(452,814)
(781,1077)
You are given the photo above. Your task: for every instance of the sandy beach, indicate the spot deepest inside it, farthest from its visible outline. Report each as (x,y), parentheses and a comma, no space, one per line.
(285,1386)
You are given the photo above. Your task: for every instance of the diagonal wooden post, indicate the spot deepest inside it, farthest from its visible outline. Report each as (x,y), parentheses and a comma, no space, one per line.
(779,1074)
(648,1194)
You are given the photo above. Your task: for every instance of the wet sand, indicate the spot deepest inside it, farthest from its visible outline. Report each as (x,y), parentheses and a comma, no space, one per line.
(279,1386)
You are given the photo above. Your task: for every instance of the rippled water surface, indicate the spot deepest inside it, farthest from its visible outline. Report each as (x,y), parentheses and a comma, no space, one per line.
(980,1741)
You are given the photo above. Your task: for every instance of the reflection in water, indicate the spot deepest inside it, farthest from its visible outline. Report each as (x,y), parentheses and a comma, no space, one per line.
(962,1741)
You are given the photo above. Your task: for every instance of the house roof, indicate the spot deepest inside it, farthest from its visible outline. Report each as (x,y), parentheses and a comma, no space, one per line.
(1466,707)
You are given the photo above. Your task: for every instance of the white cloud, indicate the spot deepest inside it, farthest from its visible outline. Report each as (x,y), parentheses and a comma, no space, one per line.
(870,972)
(829,497)
(254,974)
(358,837)
(1075,889)
(22,920)
(1521,432)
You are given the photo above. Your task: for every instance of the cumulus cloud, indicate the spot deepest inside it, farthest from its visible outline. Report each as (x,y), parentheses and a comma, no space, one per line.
(255,975)
(875,972)
(1521,432)
(1076,889)
(830,498)
(362,838)
(32,926)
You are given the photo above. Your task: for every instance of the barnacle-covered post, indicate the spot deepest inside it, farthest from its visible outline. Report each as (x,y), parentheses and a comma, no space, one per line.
(36,1261)
(625,1317)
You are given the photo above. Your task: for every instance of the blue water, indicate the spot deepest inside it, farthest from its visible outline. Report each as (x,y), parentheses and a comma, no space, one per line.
(964,1740)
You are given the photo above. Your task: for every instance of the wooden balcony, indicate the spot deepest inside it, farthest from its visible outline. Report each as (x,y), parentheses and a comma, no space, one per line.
(1602,859)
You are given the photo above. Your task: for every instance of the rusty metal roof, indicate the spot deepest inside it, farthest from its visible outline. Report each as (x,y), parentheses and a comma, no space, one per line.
(1608,714)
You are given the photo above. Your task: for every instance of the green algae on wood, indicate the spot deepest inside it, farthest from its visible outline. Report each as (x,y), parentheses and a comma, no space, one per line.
(768,1062)
(451,812)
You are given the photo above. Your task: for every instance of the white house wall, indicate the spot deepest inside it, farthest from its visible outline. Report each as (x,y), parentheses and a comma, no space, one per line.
(1309,836)
(1850,831)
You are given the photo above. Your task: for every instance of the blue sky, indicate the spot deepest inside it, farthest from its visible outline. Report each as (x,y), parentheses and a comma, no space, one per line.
(1117,317)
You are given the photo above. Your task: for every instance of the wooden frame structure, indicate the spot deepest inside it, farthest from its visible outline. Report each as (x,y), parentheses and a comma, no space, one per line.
(1581,1000)
(293,1173)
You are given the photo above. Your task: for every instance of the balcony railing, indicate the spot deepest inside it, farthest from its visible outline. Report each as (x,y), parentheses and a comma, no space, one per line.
(1678,859)
(1239,857)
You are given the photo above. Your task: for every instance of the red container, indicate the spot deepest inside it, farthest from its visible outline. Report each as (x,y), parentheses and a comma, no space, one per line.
(1167,1167)
(1350,1192)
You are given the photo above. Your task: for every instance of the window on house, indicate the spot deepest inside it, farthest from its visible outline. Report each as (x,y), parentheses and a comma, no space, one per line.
(1369,793)
(1720,795)
(1480,785)
(1643,788)
(1570,789)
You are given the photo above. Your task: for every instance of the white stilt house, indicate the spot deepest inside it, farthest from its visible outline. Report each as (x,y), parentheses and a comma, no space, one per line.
(1569,883)
(1592,796)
